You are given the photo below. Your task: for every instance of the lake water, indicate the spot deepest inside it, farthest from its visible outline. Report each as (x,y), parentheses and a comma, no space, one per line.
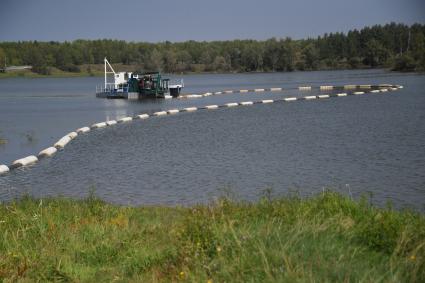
(371,144)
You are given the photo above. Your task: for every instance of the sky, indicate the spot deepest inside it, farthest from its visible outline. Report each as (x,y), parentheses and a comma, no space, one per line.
(181,20)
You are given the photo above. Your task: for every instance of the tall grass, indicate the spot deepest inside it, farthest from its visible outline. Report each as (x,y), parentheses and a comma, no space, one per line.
(327,238)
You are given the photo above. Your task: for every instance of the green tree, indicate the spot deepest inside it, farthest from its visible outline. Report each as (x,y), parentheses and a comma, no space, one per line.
(271,54)
(2,58)
(154,61)
(170,61)
(405,63)
(374,46)
(287,55)
(252,57)
(220,64)
(310,56)
(376,54)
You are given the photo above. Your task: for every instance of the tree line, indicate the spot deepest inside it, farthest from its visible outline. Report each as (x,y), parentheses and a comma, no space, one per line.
(395,46)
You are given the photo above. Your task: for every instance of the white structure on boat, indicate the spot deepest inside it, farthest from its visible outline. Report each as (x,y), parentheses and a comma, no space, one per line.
(175,86)
(120,79)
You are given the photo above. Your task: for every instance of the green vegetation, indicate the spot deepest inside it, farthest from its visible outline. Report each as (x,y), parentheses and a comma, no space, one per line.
(3,141)
(327,238)
(86,70)
(396,46)
(52,74)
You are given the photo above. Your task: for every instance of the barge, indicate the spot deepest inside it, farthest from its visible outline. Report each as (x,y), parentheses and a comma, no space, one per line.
(128,85)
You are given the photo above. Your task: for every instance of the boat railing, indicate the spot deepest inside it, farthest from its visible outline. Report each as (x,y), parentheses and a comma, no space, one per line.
(110,87)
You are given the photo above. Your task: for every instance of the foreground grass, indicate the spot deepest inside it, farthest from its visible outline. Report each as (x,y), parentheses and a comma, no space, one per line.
(322,239)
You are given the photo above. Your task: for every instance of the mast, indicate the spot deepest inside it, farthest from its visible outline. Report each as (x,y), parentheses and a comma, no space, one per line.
(108,72)
(104,61)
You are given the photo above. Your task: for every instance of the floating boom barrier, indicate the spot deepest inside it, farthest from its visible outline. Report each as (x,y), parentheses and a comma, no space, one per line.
(280,89)
(61,143)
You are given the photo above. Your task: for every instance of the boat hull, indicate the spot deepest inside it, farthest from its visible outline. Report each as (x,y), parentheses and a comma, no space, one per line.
(127,95)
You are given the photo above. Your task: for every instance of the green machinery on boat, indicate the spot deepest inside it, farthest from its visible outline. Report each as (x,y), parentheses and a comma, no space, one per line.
(149,84)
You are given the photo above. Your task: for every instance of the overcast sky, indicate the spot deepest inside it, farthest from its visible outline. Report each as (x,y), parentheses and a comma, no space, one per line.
(180,20)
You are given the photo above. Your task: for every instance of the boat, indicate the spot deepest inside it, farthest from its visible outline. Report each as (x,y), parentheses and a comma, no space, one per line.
(129,85)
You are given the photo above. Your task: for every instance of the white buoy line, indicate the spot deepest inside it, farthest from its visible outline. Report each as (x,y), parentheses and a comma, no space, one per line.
(280,89)
(62,142)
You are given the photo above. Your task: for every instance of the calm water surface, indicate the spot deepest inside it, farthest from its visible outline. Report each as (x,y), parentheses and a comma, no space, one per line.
(372,144)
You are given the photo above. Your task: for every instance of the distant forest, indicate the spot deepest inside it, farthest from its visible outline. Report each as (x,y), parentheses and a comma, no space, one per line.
(396,46)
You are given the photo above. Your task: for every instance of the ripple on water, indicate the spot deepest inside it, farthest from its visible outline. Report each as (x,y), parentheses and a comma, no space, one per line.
(355,144)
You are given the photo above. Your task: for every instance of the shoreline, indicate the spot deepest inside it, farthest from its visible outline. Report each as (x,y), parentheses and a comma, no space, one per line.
(61,74)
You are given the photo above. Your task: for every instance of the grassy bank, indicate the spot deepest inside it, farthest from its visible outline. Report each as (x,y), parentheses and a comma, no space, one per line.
(54,74)
(325,238)
(96,70)
(85,70)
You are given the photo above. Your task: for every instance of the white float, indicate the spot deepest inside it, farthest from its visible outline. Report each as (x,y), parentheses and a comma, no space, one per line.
(62,142)
(143,116)
(47,152)
(3,169)
(267,101)
(72,135)
(125,119)
(160,113)
(383,90)
(211,106)
(290,99)
(374,91)
(173,111)
(83,130)
(232,104)
(341,94)
(400,86)
(25,161)
(243,90)
(190,109)
(228,91)
(247,103)
(323,87)
(207,94)
(350,86)
(217,92)
(276,89)
(304,88)
(259,89)
(99,125)
(323,96)
(310,97)
(111,122)
(358,92)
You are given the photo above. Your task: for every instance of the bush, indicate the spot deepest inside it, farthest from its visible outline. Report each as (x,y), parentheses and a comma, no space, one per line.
(42,70)
(405,63)
(70,68)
